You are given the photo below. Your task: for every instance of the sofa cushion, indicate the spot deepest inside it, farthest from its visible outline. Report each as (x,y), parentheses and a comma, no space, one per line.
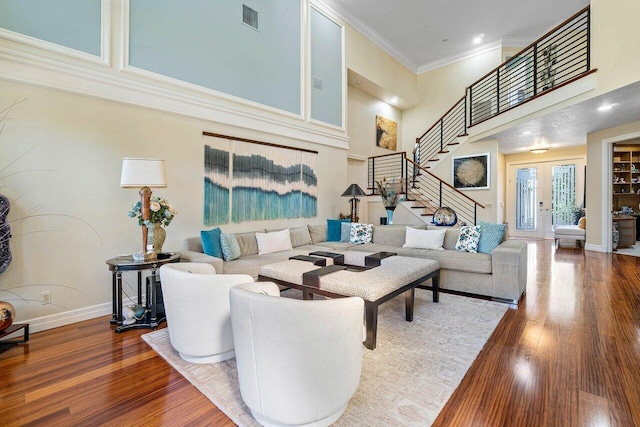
(490,236)
(211,242)
(468,239)
(300,236)
(453,260)
(248,243)
(318,233)
(361,233)
(389,234)
(230,247)
(334,229)
(277,241)
(424,239)
(450,237)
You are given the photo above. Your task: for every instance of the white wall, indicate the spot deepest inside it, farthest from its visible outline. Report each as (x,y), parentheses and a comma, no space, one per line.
(361,127)
(62,156)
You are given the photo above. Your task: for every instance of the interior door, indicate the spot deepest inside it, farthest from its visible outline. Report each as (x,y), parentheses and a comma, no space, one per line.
(542,195)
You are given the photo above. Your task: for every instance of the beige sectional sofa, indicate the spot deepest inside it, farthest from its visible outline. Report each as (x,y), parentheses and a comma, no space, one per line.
(501,275)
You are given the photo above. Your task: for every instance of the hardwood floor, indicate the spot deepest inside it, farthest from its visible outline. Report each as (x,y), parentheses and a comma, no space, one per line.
(569,355)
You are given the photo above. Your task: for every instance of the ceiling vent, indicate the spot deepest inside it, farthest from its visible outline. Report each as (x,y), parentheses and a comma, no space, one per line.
(250,17)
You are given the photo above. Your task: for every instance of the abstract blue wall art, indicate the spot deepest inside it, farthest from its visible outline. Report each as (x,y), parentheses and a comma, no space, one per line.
(267,181)
(216,183)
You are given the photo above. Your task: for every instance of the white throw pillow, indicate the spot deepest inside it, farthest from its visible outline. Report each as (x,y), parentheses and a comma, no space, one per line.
(276,241)
(424,239)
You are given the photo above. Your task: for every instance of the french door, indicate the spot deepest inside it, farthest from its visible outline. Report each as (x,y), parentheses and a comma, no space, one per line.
(543,195)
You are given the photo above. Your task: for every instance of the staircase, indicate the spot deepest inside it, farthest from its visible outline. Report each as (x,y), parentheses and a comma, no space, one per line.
(556,59)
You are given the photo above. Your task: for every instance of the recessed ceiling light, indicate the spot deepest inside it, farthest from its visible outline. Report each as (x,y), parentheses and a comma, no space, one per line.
(605,108)
(394,100)
(478,39)
(358,82)
(527,132)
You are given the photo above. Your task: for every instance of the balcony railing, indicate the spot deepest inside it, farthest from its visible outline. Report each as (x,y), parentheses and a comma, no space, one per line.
(552,61)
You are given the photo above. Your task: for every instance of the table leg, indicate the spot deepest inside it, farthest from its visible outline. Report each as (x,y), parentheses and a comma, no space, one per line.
(409,299)
(114,299)
(371,321)
(154,314)
(435,283)
(119,291)
(140,288)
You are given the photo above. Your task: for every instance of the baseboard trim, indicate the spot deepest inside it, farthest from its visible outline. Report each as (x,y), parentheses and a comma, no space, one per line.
(595,248)
(44,323)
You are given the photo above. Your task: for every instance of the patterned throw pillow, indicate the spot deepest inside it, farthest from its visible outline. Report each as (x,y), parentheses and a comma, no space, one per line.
(490,236)
(468,239)
(361,233)
(230,247)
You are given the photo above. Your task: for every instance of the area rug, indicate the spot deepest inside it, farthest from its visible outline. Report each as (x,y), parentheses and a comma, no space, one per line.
(405,381)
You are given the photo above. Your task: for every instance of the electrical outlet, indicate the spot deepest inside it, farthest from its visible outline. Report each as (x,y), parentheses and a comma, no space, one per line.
(46,297)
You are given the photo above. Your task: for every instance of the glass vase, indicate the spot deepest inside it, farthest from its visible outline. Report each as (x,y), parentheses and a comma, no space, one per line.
(390,210)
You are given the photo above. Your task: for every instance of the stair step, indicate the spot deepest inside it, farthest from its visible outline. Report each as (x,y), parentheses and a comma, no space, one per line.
(442,152)
(453,143)
(462,135)
(433,160)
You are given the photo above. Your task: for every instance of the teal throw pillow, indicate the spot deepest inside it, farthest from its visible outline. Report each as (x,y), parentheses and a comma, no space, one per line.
(490,236)
(211,242)
(345,232)
(334,229)
(230,247)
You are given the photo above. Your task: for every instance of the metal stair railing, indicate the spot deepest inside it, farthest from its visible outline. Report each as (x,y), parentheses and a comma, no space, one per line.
(442,134)
(421,186)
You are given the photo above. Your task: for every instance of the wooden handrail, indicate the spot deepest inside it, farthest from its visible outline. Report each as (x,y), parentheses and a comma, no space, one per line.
(391,154)
(443,116)
(446,183)
(538,40)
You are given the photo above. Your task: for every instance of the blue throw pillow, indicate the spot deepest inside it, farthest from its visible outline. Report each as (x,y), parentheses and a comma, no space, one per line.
(345,232)
(334,229)
(490,236)
(211,242)
(230,246)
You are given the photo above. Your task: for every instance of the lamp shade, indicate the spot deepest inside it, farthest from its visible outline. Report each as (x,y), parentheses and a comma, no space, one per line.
(143,172)
(353,191)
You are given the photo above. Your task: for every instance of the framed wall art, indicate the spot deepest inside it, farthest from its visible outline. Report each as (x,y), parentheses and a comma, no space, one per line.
(386,133)
(471,172)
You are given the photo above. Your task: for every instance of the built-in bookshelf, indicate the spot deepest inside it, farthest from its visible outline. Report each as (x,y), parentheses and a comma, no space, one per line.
(626,176)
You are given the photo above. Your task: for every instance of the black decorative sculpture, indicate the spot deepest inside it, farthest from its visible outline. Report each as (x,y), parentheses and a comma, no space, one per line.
(5,234)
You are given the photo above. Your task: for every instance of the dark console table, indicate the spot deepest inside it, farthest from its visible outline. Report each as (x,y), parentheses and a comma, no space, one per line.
(7,344)
(153,318)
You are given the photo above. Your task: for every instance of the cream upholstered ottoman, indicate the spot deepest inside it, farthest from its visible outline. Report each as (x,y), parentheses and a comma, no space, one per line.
(392,276)
(570,232)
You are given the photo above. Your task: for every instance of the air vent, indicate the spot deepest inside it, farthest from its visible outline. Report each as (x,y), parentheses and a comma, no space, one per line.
(250,17)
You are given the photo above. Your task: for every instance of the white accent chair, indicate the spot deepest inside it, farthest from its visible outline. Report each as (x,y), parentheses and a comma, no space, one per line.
(196,303)
(299,362)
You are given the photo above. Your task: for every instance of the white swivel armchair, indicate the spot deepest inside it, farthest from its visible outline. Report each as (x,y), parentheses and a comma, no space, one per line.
(298,361)
(196,302)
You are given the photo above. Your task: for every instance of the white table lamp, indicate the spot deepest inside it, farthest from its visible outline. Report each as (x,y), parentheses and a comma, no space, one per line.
(143,173)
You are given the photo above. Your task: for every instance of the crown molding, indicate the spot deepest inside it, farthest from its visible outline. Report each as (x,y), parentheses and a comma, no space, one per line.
(459,57)
(348,16)
(519,42)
